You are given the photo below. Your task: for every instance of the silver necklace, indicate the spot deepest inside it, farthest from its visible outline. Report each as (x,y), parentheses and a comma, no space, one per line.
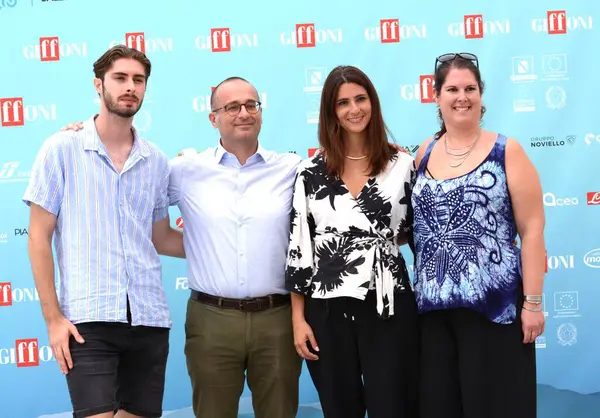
(356,158)
(460,156)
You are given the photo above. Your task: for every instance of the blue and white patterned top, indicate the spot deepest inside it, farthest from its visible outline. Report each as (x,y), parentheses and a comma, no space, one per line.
(464,232)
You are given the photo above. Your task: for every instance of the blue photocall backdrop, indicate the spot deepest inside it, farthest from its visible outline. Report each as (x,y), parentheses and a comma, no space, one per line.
(539,62)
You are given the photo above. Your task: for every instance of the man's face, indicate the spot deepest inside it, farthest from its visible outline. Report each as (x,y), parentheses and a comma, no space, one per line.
(234,126)
(122,91)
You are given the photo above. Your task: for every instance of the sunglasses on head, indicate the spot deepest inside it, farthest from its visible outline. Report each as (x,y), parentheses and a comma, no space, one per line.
(452,56)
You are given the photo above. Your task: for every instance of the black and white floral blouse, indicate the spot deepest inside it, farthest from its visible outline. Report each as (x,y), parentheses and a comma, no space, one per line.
(341,246)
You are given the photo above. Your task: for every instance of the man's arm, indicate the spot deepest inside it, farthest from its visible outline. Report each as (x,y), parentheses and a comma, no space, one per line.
(41,229)
(167,241)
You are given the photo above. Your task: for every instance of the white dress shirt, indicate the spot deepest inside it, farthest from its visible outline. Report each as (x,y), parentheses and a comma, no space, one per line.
(237,220)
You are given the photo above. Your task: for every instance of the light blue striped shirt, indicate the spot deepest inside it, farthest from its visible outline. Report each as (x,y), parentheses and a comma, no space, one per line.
(236,220)
(103,235)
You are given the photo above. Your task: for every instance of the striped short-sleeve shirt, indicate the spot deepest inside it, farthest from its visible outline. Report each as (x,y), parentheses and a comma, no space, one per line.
(103,235)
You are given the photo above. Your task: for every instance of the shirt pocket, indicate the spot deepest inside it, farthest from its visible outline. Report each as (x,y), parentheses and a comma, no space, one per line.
(141,205)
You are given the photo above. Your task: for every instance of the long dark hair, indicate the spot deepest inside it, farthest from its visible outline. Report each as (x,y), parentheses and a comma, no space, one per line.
(439,79)
(330,131)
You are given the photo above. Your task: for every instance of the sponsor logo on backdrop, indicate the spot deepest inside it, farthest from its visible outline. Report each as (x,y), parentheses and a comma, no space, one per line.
(593,198)
(524,105)
(523,69)
(556,97)
(9,173)
(422,91)
(52,49)
(312,152)
(21,232)
(26,353)
(551,141)
(4,4)
(10,294)
(566,305)
(592,258)
(138,40)
(306,35)
(201,104)
(556,262)
(5,294)
(181,283)
(179,222)
(392,31)
(558,22)
(550,199)
(14,112)
(567,334)
(540,342)
(3,238)
(412,148)
(223,40)
(553,68)
(475,27)
(589,138)
(314,77)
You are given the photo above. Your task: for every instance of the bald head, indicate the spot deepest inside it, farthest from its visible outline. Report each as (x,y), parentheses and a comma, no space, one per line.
(214,96)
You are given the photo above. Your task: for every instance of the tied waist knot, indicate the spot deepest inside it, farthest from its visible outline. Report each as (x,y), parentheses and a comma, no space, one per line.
(384,251)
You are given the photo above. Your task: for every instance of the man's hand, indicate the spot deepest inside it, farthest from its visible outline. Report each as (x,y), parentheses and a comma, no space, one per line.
(75,126)
(303,334)
(59,332)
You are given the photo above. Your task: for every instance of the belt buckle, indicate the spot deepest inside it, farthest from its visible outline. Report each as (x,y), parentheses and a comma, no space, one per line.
(246,305)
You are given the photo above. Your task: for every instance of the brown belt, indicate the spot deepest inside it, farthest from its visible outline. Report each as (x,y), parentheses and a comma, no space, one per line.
(244,305)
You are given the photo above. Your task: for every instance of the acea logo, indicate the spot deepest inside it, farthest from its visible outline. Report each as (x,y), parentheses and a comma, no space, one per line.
(551,199)
(592,258)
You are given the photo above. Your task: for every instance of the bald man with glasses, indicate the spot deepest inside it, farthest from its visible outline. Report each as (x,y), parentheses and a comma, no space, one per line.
(235,201)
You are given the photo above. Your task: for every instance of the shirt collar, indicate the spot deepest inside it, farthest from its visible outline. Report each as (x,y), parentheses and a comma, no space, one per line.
(91,141)
(222,154)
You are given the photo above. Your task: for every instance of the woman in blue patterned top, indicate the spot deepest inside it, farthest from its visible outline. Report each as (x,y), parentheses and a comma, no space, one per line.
(478,294)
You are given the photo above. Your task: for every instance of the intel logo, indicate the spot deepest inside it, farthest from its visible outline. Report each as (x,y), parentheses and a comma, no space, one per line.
(592,258)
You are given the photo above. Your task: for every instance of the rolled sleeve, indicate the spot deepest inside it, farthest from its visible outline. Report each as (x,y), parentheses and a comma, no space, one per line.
(175,180)
(161,207)
(47,180)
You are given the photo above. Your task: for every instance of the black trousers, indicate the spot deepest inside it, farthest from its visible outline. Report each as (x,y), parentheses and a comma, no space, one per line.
(365,363)
(474,368)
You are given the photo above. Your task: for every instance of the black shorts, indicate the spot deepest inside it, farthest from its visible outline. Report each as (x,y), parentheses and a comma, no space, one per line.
(118,367)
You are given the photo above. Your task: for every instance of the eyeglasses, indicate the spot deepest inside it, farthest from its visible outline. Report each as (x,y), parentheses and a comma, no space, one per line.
(452,56)
(233,109)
